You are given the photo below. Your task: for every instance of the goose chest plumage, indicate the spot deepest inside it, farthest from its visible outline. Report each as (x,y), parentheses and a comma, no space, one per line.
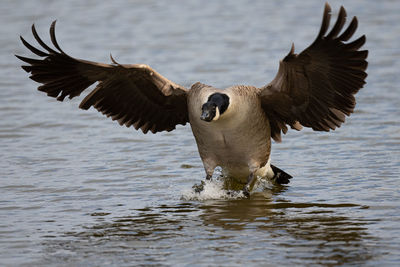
(233,127)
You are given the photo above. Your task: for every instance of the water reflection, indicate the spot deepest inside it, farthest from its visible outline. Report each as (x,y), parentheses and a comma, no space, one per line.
(310,232)
(318,232)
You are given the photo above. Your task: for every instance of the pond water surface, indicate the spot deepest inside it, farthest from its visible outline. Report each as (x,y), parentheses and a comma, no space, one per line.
(76,189)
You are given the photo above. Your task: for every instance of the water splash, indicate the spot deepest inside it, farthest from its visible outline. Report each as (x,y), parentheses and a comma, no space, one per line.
(214,189)
(222,188)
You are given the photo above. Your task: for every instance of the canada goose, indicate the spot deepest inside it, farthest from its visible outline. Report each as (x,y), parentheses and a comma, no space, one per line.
(232,127)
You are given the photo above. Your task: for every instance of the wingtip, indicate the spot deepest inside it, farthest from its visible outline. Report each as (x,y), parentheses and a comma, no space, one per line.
(337,28)
(26,68)
(348,33)
(33,28)
(327,8)
(343,13)
(39,40)
(290,54)
(325,21)
(343,10)
(113,60)
(53,25)
(23,67)
(53,36)
(357,44)
(366,53)
(19,57)
(22,39)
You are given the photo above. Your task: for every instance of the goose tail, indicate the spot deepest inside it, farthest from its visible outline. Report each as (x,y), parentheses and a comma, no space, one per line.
(280,177)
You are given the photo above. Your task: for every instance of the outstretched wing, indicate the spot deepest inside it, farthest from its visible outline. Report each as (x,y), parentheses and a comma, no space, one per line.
(316,88)
(131,94)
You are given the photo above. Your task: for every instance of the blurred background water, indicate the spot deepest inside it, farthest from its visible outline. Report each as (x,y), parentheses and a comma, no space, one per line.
(77,189)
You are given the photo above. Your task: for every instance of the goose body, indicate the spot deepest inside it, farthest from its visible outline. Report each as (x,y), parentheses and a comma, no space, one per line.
(239,140)
(233,127)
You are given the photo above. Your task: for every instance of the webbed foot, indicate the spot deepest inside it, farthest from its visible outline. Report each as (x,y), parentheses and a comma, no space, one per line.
(198,188)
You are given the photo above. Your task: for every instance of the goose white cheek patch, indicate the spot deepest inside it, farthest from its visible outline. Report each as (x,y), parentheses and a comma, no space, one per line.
(216,117)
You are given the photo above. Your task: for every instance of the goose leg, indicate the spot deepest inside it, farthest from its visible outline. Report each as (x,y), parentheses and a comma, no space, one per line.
(250,183)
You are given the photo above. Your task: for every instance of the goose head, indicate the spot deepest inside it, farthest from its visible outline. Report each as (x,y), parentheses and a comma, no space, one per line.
(215,106)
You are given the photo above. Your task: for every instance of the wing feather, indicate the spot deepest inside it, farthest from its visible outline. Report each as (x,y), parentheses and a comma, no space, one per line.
(134,95)
(316,87)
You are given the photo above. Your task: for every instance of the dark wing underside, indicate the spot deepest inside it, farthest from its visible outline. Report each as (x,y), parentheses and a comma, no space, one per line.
(316,88)
(131,94)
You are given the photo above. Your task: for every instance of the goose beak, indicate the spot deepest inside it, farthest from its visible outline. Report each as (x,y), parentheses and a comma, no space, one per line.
(206,115)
